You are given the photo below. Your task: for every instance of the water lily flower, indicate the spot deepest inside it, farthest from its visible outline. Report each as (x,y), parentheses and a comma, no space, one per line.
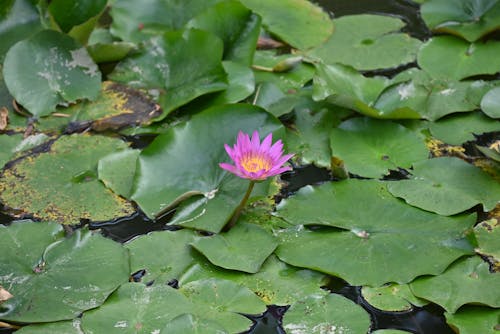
(254,160)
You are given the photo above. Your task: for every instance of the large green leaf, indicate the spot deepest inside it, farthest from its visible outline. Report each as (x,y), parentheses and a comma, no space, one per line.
(326,314)
(60,71)
(470,19)
(474,319)
(68,14)
(235,24)
(311,25)
(178,66)
(184,162)
(366,251)
(370,147)
(448,57)
(245,247)
(54,278)
(368,42)
(467,281)
(163,255)
(490,104)
(61,184)
(438,185)
(137,21)
(346,87)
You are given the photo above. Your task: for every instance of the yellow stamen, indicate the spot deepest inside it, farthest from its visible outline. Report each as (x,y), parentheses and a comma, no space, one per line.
(255,163)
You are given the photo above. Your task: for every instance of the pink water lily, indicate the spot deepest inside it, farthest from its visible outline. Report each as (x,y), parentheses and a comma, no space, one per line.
(254,160)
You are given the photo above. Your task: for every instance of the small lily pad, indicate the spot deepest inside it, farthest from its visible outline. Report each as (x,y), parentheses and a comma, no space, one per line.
(61,184)
(244,247)
(490,104)
(438,185)
(326,314)
(467,281)
(395,146)
(117,171)
(474,319)
(54,278)
(391,297)
(487,235)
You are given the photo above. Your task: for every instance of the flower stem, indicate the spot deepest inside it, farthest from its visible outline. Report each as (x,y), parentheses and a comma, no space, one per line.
(240,207)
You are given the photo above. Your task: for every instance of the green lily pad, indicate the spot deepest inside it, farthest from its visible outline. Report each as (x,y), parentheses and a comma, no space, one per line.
(346,87)
(8,145)
(241,84)
(489,152)
(194,69)
(469,19)
(438,185)
(467,281)
(54,278)
(188,323)
(487,235)
(235,24)
(391,297)
(474,319)
(458,129)
(368,42)
(68,14)
(395,146)
(162,182)
(62,72)
(490,104)
(365,251)
(276,283)
(60,327)
(117,171)
(61,184)
(137,22)
(244,247)
(326,314)
(311,25)
(176,256)
(448,57)
(18,20)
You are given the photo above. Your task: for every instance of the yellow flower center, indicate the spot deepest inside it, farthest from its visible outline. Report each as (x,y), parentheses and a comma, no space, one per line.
(255,163)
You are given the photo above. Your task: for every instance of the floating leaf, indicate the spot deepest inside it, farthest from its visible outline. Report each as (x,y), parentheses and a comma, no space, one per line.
(61,72)
(60,327)
(458,129)
(311,25)
(61,184)
(69,14)
(467,281)
(370,147)
(374,256)
(469,19)
(326,314)
(487,234)
(194,69)
(241,84)
(368,42)
(438,185)
(391,297)
(490,104)
(176,255)
(474,319)
(54,278)
(8,145)
(198,146)
(448,57)
(117,171)
(188,323)
(244,247)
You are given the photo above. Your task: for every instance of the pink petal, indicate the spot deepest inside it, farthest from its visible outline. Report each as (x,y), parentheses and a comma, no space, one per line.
(255,141)
(282,160)
(228,167)
(266,144)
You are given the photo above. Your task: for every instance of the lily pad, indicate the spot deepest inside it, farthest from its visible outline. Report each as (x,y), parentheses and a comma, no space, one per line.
(366,238)
(188,323)
(162,182)
(117,171)
(61,184)
(368,42)
(487,234)
(326,314)
(438,185)
(244,247)
(62,72)
(391,297)
(469,19)
(490,104)
(448,57)
(8,145)
(194,69)
(54,278)
(467,281)
(311,25)
(68,14)
(60,327)
(474,319)
(353,141)
(163,255)
(458,129)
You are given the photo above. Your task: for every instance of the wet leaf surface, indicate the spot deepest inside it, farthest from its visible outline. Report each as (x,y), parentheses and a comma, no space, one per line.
(391,297)
(474,319)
